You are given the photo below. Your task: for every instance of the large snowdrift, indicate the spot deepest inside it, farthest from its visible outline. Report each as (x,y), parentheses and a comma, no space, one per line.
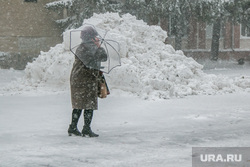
(150,69)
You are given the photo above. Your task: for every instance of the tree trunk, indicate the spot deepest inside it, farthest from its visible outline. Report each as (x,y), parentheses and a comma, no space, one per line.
(216,39)
(192,33)
(178,42)
(178,36)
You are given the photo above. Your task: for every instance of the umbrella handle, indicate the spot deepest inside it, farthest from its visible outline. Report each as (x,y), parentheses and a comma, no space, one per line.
(101,41)
(103,37)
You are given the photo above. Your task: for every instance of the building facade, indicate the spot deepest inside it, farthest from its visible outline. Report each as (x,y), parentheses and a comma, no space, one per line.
(26,28)
(234,43)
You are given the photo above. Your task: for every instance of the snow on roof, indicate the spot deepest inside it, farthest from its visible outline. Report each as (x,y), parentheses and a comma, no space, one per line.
(60,2)
(219,0)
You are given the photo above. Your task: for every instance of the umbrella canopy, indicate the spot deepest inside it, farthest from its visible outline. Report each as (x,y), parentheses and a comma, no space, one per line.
(95,43)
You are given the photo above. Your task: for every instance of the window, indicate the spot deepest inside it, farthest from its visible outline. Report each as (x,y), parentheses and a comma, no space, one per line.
(245,30)
(30,0)
(209,31)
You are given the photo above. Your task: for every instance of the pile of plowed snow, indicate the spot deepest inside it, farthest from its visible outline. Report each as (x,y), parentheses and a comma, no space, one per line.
(150,69)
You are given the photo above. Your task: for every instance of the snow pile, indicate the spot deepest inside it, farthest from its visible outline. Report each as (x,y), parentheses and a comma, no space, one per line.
(49,72)
(150,69)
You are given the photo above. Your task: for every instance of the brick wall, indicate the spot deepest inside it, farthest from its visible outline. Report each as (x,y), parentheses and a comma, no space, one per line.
(26,28)
(224,55)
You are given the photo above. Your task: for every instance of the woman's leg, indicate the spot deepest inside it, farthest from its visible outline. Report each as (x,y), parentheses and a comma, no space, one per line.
(88,115)
(76,113)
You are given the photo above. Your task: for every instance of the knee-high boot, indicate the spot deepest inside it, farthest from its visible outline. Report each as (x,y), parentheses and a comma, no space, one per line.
(76,113)
(86,131)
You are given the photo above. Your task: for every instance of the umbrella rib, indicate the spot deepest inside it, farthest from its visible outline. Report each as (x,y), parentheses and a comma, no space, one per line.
(105,42)
(70,41)
(112,46)
(109,59)
(107,54)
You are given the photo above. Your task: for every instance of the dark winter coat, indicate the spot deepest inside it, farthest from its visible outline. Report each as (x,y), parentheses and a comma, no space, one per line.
(84,80)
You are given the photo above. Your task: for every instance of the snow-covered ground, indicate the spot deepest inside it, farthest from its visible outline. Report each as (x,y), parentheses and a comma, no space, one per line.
(133,132)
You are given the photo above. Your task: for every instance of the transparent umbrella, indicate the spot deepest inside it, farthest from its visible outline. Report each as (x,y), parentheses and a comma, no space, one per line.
(87,42)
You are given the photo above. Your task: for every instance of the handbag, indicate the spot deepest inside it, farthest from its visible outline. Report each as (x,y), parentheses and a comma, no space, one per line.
(103,90)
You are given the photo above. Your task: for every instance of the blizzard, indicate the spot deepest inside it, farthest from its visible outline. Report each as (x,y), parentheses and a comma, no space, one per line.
(161,105)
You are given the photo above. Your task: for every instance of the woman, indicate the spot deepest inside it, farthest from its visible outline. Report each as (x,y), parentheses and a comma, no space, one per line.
(84,79)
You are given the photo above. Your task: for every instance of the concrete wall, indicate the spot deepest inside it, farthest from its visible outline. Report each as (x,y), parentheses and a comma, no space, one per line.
(26,28)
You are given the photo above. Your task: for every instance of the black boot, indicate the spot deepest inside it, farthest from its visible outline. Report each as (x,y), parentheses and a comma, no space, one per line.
(76,113)
(86,131)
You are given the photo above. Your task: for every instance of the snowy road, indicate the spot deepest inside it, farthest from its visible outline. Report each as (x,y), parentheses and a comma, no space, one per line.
(133,132)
